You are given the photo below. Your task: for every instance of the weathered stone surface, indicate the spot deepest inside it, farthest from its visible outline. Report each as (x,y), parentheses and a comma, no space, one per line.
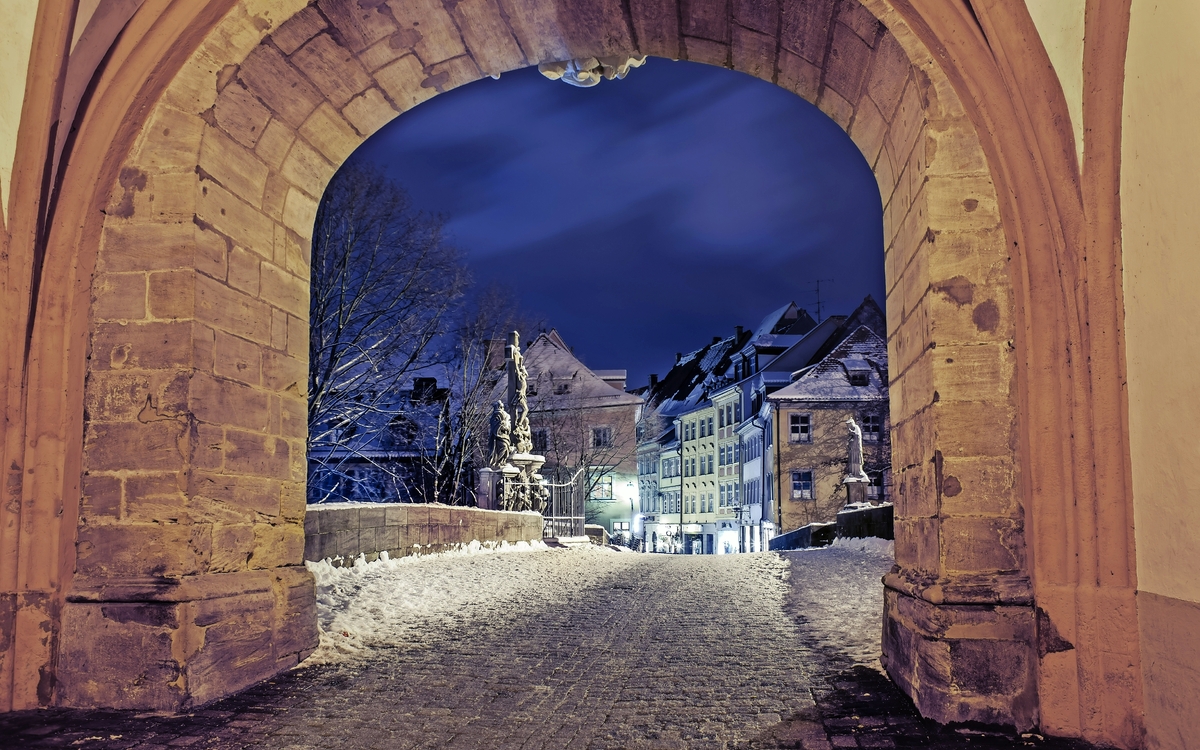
(753,52)
(228,309)
(656,23)
(429,23)
(298,29)
(359,25)
(163,549)
(347,531)
(706,20)
(805,28)
(269,77)
(849,58)
(333,68)
(369,112)
(240,114)
(103,641)
(988,677)
(330,134)
(119,296)
(798,75)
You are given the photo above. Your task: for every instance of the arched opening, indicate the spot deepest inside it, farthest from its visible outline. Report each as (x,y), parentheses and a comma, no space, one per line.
(198,472)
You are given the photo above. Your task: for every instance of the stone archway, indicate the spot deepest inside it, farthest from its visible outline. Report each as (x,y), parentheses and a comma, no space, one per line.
(186,551)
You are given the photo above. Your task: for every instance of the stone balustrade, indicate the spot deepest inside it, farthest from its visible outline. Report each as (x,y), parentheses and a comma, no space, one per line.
(343,531)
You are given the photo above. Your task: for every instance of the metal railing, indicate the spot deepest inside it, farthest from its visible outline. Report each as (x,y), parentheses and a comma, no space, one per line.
(564,514)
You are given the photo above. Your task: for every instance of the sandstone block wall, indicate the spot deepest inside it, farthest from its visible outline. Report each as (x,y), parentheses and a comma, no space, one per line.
(194,444)
(347,530)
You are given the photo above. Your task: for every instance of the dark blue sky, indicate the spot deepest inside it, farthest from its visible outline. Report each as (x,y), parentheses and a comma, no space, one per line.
(643,217)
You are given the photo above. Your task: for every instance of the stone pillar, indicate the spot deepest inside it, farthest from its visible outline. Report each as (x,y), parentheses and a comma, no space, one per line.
(959,624)
(190,582)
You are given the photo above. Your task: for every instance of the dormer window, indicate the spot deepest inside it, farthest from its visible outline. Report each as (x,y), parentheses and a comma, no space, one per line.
(858,371)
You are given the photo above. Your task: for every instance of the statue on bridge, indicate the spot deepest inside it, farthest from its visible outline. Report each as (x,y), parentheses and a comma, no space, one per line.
(518,399)
(499,441)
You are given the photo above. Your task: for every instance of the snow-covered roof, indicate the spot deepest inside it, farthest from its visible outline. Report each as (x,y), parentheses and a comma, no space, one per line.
(556,375)
(829,379)
(696,376)
(787,320)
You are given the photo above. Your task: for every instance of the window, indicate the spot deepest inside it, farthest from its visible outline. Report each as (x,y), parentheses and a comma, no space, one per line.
(724,495)
(872,428)
(702,432)
(875,487)
(562,388)
(860,377)
(602,437)
(603,489)
(710,425)
(721,414)
(800,428)
(802,485)
(541,441)
(620,526)
(737,412)
(710,502)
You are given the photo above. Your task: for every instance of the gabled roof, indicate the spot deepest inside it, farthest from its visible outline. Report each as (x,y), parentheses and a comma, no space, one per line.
(556,375)
(866,314)
(829,379)
(787,320)
(803,352)
(695,376)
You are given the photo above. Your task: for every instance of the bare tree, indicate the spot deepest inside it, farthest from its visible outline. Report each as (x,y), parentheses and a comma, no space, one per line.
(451,447)
(576,431)
(383,282)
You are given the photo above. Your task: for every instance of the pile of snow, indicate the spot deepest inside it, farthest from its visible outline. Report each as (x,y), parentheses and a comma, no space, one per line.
(389,602)
(871,544)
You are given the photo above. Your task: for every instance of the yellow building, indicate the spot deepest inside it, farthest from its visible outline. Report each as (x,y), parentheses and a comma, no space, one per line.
(811,436)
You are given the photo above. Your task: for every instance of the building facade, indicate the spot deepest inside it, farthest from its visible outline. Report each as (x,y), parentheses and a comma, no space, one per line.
(584,423)
(811,435)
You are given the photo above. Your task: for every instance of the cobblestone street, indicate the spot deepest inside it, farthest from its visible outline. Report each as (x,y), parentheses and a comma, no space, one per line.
(575,649)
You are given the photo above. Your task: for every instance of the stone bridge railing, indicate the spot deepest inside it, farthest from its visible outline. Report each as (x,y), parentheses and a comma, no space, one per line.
(346,530)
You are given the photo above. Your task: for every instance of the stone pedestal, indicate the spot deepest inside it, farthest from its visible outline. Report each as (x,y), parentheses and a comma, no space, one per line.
(487,490)
(856,492)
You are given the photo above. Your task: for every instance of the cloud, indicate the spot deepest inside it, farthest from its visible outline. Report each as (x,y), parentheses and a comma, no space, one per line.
(616,210)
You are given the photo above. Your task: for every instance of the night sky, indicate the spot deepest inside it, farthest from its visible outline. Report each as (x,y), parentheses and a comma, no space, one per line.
(643,217)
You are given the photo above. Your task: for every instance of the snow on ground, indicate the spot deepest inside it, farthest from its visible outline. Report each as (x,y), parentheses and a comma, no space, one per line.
(382,603)
(835,591)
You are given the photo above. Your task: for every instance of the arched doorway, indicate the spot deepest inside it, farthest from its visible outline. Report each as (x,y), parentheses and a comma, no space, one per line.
(186,547)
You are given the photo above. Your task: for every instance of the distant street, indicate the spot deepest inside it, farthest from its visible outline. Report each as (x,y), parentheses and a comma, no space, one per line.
(567,649)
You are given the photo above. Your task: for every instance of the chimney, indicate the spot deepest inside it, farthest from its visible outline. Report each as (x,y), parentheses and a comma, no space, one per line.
(678,357)
(653,381)
(716,339)
(739,332)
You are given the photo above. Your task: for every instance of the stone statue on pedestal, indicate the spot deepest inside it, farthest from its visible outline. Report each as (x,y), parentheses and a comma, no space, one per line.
(499,442)
(518,401)
(854,469)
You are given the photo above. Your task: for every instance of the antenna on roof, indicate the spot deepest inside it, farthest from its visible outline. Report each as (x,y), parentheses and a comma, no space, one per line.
(817,284)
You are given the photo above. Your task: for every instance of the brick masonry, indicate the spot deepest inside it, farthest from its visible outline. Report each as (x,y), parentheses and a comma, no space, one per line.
(347,530)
